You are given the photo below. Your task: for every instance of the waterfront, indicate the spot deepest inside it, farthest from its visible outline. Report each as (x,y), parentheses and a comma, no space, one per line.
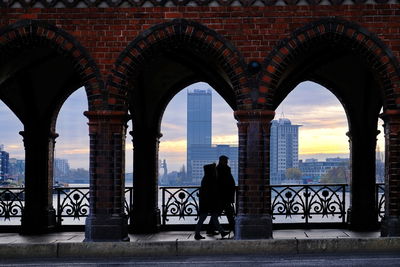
(178,205)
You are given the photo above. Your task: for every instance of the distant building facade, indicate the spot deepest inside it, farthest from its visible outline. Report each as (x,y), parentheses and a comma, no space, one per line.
(199,111)
(61,167)
(200,150)
(284,149)
(4,165)
(202,155)
(313,170)
(16,166)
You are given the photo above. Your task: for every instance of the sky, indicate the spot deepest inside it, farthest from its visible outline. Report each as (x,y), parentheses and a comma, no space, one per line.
(322,134)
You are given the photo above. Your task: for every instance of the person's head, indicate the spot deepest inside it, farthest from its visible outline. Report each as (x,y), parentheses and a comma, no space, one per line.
(209,169)
(223,160)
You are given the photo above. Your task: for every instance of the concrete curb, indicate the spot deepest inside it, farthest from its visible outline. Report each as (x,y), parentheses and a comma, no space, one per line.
(12,251)
(215,247)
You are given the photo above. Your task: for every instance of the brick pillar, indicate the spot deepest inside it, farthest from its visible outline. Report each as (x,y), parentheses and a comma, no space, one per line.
(362,214)
(254,215)
(38,215)
(107,221)
(391,221)
(145,213)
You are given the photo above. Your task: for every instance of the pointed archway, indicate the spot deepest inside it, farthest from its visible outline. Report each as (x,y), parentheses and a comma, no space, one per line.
(364,75)
(152,69)
(41,66)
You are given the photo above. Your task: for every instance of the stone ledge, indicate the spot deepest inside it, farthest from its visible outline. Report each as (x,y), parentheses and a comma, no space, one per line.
(13,251)
(182,248)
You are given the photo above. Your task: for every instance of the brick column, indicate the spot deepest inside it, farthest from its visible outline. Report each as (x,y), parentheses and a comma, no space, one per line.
(391,221)
(362,214)
(145,213)
(38,215)
(107,221)
(254,215)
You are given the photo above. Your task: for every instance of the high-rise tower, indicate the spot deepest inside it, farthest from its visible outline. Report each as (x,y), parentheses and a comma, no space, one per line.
(284,149)
(200,150)
(199,117)
(4,163)
(198,124)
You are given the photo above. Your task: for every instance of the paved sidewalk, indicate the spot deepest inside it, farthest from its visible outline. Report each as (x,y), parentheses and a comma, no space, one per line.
(291,242)
(12,238)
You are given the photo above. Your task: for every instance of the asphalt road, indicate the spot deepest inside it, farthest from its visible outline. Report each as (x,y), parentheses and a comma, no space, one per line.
(370,259)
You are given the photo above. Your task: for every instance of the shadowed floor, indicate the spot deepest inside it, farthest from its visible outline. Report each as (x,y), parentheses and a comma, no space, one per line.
(9,238)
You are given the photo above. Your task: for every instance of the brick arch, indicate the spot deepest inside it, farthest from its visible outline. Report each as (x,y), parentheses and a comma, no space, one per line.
(27,34)
(173,35)
(380,59)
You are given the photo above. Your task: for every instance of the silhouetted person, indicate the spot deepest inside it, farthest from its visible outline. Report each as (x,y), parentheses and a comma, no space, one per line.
(226,193)
(208,201)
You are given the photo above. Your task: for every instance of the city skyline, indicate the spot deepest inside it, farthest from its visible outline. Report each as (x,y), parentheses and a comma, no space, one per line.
(311,105)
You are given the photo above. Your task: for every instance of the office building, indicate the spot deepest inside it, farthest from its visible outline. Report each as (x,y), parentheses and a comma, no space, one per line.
(284,149)
(312,170)
(61,167)
(4,164)
(202,155)
(200,150)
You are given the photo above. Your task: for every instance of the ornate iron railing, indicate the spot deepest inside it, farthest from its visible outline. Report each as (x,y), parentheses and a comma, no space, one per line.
(11,203)
(181,202)
(72,203)
(380,200)
(303,203)
(294,203)
(290,204)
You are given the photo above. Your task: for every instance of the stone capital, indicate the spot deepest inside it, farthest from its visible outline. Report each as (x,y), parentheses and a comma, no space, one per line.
(111,116)
(263,116)
(391,117)
(31,136)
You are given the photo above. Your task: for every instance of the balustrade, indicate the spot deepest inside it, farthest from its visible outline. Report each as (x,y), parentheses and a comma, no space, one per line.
(291,204)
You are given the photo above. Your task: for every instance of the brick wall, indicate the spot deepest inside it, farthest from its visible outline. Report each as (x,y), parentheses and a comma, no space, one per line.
(108,46)
(254,31)
(105,32)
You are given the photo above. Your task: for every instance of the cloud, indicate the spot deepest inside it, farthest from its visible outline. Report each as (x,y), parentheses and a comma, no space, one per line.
(173,146)
(73,141)
(77,151)
(225,139)
(313,141)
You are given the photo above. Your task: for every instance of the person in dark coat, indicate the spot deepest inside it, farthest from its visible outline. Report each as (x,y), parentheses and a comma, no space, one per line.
(226,193)
(208,201)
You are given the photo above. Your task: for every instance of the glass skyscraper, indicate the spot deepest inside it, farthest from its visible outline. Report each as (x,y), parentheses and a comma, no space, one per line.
(200,150)
(199,117)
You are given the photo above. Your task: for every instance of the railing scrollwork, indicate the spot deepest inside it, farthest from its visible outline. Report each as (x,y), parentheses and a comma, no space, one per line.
(11,202)
(179,202)
(72,202)
(308,200)
(380,200)
(290,203)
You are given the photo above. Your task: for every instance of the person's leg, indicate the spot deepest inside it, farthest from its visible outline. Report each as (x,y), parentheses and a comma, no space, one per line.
(210,227)
(230,215)
(202,218)
(217,225)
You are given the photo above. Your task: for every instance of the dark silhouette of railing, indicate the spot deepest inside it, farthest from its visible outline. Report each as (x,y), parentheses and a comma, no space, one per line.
(380,200)
(179,202)
(302,203)
(291,204)
(12,202)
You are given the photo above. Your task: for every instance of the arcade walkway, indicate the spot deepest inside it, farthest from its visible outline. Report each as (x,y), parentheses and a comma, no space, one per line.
(68,246)
(62,237)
